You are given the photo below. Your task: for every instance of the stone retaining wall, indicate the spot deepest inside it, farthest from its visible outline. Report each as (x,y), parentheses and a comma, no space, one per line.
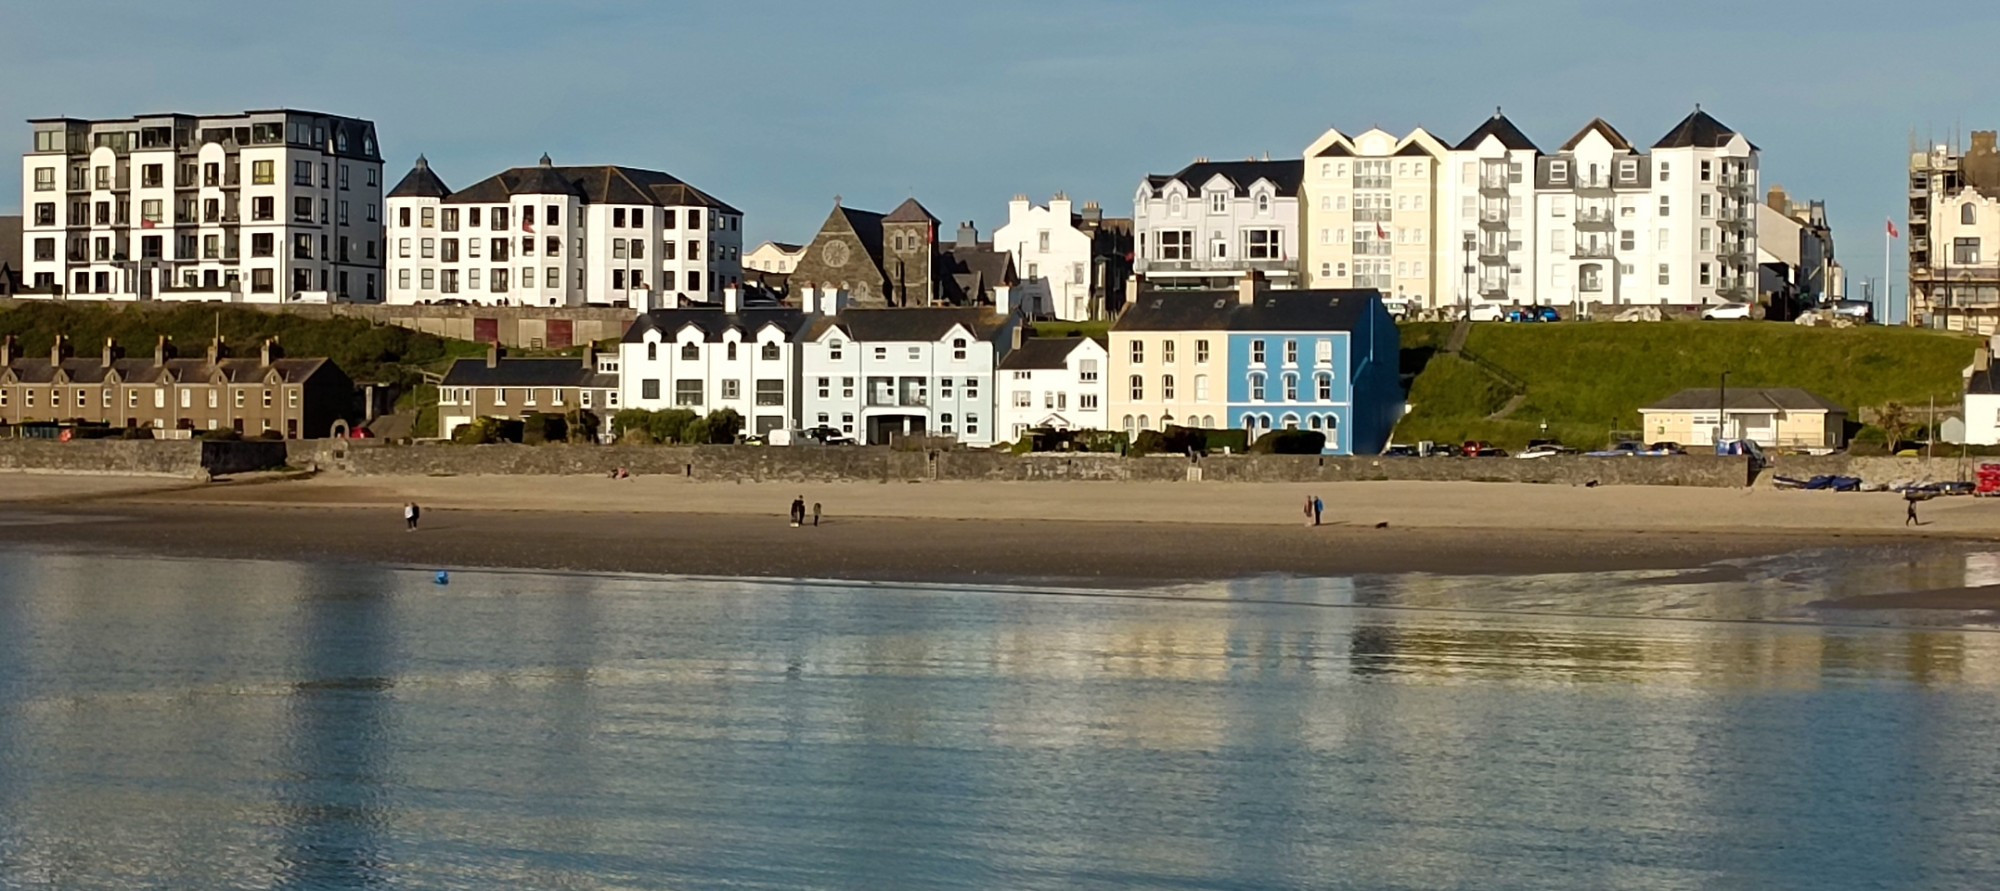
(193,459)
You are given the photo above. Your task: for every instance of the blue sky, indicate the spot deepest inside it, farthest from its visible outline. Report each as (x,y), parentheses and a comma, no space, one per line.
(778,105)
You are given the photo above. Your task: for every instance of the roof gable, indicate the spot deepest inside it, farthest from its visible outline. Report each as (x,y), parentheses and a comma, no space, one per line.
(1498,128)
(1604,131)
(1698,130)
(420,182)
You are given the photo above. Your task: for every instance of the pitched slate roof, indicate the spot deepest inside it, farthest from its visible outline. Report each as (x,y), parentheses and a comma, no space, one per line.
(1335,150)
(246,370)
(910,212)
(910,324)
(420,182)
(976,270)
(1043,353)
(1982,383)
(712,322)
(1697,130)
(1314,310)
(1284,175)
(596,184)
(527,373)
(1499,128)
(1602,128)
(1746,399)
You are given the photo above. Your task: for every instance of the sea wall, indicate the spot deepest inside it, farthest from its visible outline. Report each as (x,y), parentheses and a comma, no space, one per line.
(193,459)
(886,465)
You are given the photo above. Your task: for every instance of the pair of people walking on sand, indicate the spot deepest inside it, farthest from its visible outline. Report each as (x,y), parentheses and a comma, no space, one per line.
(799,511)
(1314,508)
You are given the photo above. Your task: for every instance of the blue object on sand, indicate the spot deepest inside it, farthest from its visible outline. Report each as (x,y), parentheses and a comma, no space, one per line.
(443,578)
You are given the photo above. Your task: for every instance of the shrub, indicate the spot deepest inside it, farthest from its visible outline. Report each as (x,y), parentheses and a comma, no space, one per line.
(1101,441)
(542,428)
(583,426)
(137,433)
(630,419)
(1289,442)
(271,436)
(483,431)
(223,434)
(723,425)
(671,425)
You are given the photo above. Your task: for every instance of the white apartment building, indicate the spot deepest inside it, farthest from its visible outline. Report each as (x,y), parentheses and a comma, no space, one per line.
(774,256)
(710,358)
(561,236)
(1705,196)
(1597,221)
(1052,255)
(1207,225)
(1490,196)
(1370,208)
(1954,238)
(874,373)
(270,206)
(1059,383)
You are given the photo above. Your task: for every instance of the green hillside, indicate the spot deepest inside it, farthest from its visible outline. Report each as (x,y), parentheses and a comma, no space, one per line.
(1587,379)
(367,352)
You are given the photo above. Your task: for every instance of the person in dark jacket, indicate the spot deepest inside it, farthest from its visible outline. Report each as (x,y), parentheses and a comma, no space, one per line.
(799,510)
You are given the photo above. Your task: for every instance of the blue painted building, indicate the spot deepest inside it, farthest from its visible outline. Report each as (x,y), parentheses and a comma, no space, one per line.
(1324,360)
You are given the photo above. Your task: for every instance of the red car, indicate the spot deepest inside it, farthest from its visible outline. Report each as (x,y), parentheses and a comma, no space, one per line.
(1475,448)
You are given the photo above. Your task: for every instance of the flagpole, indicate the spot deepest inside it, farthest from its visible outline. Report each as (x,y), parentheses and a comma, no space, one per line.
(1888,258)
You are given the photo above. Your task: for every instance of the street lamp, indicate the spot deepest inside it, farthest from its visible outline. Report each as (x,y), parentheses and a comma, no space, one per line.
(1721,412)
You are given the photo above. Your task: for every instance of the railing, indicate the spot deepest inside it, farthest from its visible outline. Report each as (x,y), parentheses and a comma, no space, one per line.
(1586,181)
(1593,216)
(1493,216)
(1236,265)
(1372,182)
(890,401)
(1591,252)
(1372,248)
(1493,183)
(1371,214)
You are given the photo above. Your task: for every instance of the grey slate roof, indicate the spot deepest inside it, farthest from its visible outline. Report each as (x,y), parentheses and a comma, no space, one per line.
(420,182)
(1601,126)
(597,184)
(910,212)
(1314,310)
(1982,383)
(1697,130)
(1042,353)
(1284,175)
(1746,399)
(527,373)
(1502,129)
(910,324)
(92,370)
(713,322)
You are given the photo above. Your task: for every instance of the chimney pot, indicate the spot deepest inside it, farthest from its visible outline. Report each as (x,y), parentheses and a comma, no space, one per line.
(590,356)
(1248,287)
(732,299)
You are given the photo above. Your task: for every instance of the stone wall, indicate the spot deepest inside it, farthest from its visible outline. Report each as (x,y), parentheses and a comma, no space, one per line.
(1877,469)
(886,465)
(246,456)
(141,457)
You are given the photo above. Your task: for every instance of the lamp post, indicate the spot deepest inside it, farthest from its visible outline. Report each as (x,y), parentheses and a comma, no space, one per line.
(1722,412)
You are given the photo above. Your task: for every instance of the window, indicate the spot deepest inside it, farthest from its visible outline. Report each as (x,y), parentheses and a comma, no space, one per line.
(1707,171)
(260,281)
(732,389)
(1628,240)
(1138,385)
(1138,352)
(1176,244)
(429,279)
(428,248)
(1201,351)
(1263,244)
(847,388)
(1167,387)
(1291,352)
(263,173)
(45,179)
(687,392)
(554,277)
(1665,276)
(1707,239)
(1707,205)
(1665,208)
(552,215)
(1218,202)
(649,388)
(1706,278)
(499,219)
(1086,371)
(1323,385)
(768,353)
(958,349)
(1968,215)
(1256,352)
(944,388)
(402,278)
(972,425)
(618,249)
(1023,399)
(944,423)
(1256,388)
(1965,251)
(691,351)
(450,220)
(498,283)
(302,209)
(1291,388)
(833,350)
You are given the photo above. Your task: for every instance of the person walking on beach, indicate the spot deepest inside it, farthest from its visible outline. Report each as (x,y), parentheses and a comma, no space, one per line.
(410,514)
(1910,509)
(798,510)
(1319,507)
(1309,510)
(815,514)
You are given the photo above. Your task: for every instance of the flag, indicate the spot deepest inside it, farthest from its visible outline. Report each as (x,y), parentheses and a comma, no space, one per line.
(1892,230)
(147,224)
(1381,234)
(527,219)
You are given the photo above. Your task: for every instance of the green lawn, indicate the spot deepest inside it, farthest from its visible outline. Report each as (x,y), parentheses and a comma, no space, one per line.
(1586,379)
(1100,330)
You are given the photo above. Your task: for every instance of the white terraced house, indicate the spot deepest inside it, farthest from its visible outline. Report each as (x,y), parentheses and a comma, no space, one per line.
(1058,383)
(876,373)
(276,206)
(1210,223)
(561,236)
(708,358)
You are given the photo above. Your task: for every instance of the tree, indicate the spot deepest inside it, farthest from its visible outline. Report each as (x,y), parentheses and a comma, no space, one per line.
(723,425)
(1895,422)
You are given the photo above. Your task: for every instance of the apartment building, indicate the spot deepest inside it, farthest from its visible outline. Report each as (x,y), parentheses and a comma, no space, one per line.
(1072,265)
(775,257)
(714,357)
(561,236)
(1055,383)
(876,373)
(1954,236)
(1210,223)
(299,398)
(1704,197)
(1491,234)
(275,206)
(1370,214)
(1596,222)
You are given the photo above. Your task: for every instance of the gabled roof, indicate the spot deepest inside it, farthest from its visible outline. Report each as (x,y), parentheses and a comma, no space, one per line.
(976,269)
(1044,353)
(1335,150)
(910,212)
(1314,310)
(1746,399)
(420,182)
(910,324)
(1697,130)
(596,184)
(1982,383)
(92,370)
(1241,175)
(1499,128)
(1601,128)
(509,372)
(713,322)
(867,226)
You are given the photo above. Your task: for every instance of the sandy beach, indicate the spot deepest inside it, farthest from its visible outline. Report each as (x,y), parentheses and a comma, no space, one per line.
(1057,533)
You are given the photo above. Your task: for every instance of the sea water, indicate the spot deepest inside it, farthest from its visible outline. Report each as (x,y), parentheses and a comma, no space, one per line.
(201,724)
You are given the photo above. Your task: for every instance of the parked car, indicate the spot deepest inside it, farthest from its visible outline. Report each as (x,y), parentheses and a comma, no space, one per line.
(1534,314)
(823,436)
(1744,447)
(1727,311)
(1544,449)
(1486,312)
(1488,452)
(1853,309)
(1400,451)
(1666,448)
(1472,447)
(1630,448)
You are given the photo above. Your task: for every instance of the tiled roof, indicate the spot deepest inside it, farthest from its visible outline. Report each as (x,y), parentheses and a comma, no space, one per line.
(712,322)
(1283,175)
(1314,310)
(910,212)
(598,184)
(1697,130)
(509,372)
(910,324)
(1043,353)
(1499,128)
(1746,399)
(92,370)
(1602,128)
(420,182)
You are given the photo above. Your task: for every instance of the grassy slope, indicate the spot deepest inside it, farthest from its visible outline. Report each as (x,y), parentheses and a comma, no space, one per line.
(1585,377)
(367,352)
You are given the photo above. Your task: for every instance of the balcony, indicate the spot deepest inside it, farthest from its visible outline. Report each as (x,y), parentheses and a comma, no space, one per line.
(1593,218)
(1372,182)
(1284,267)
(1371,215)
(896,400)
(1493,252)
(1735,181)
(1591,252)
(1493,183)
(1587,183)
(1373,248)
(1493,219)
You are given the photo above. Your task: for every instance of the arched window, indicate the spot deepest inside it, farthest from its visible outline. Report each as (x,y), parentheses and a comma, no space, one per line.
(1174,204)
(1145,423)
(770,352)
(1291,388)
(1291,421)
(1256,388)
(1968,214)
(1263,203)
(1324,386)
(652,352)
(1138,387)
(1333,432)
(690,351)
(1128,425)
(1312,422)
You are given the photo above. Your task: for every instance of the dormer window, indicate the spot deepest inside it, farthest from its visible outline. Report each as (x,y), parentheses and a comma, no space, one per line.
(833,350)
(958,349)
(1558,171)
(1174,204)
(1263,203)
(1218,202)
(690,351)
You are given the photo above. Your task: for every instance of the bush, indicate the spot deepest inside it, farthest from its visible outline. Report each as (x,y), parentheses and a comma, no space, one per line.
(543,428)
(483,431)
(271,436)
(1103,441)
(723,425)
(630,419)
(1182,440)
(137,433)
(671,425)
(583,426)
(223,434)
(1289,442)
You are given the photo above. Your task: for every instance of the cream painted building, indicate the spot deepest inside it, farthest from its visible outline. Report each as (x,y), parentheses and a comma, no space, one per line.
(774,256)
(1369,214)
(1772,417)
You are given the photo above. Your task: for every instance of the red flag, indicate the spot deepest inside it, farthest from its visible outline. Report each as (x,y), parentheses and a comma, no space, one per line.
(527,219)
(147,224)
(1381,234)
(1892,230)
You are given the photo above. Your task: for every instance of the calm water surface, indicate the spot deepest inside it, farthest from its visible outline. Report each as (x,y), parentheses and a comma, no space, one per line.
(190,724)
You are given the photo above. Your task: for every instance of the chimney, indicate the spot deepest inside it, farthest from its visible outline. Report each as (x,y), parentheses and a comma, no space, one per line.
(1017,334)
(216,351)
(590,355)
(732,299)
(1061,208)
(1248,287)
(493,354)
(58,349)
(1017,209)
(968,236)
(1092,213)
(163,349)
(110,352)
(1003,299)
(269,351)
(6,351)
